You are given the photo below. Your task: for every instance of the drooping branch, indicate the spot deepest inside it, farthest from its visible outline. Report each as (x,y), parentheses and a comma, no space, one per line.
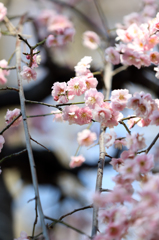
(27,135)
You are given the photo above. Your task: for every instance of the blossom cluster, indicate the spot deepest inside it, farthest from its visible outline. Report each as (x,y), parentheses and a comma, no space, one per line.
(138,38)
(58,26)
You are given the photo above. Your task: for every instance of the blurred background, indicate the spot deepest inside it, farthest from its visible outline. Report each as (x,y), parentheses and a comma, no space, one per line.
(61,189)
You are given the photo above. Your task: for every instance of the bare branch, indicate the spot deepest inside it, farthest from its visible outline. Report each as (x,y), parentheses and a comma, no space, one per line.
(12,155)
(27,135)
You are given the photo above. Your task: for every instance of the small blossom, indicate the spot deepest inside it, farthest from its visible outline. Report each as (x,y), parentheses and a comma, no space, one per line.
(11,115)
(154,118)
(119,99)
(86,137)
(84,115)
(112,55)
(109,138)
(76,86)
(3,11)
(91,40)
(76,161)
(3,73)
(28,74)
(2,141)
(145,162)
(69,114)
(83,66)
(93,98)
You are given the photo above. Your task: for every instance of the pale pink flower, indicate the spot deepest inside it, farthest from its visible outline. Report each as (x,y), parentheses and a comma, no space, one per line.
(114,230)
(135,142)
(28,74)
(90,80)
(23,236)
(115,117)
(3,73)
(52,41)
(116,163)
(119,143)
(133,121)
(154,118)
(91,40)
(130,170)
(69,113)
(58,23)
(44,17)
(3,11)
(131,57)
(145,162)
(83,66)
(76,86)
(58,117)
(102,115)
(36,60)
(112,55)
(76,161)
(59,92)
(86,137)
(119,99)
(93,98)
(84,115)
(109,138)
(11,115)
(131,18)
(2,141)
(144,122)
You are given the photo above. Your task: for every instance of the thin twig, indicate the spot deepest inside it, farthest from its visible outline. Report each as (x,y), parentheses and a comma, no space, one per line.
(76,210)
(12,155)
(118,70)
(153,142)
(42,115)
(127,129)
(40,144)
(27,135)
(10,88)
(102,17)
(105,190)
(8,68)
(67,225)
(36,217)
(127,118)
(10,124)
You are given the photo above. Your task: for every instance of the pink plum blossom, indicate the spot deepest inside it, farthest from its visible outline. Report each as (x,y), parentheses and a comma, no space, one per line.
(109,138)
(112,55)
(59,92)
(76,86)
(58,116)
(119,143)
(70,113)
(83,66)
(145,162)
(135,142)
(90,80)
(116,163)
(28,74)
(84,115)
(102,115)
(3,11)
(154,118)
(76,161)
(119,99)
(93,98)
(154,57)
(130,170)
(2,141)
(86,137)
(91,40)
(11,115)
(58,23)
(3,73)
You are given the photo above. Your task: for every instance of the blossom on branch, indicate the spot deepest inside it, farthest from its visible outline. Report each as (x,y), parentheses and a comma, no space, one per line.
(76,161)
(28,74)
(91,40)
(3,11)
(3,73)
(11,115)
(86,137)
